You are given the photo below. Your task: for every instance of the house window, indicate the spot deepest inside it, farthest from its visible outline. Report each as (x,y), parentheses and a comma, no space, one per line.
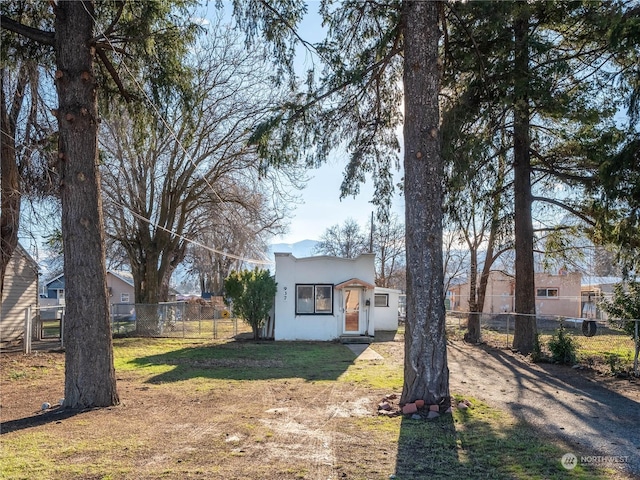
(314,299)
(61,294)
(547,292)
(124,298)
(381,300)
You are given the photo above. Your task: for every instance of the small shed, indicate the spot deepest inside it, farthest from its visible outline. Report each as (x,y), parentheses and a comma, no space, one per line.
(20,292)
(387,308)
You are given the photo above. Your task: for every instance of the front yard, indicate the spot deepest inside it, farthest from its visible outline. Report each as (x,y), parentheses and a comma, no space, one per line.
(243,410)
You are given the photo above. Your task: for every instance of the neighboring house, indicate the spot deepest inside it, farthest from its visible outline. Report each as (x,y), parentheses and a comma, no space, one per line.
(119,285)
(20,292)
(594,290)
(327,298)
(555,294)
(54,292)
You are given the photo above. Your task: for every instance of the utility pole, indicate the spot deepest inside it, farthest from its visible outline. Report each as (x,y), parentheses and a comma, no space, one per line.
(371,235)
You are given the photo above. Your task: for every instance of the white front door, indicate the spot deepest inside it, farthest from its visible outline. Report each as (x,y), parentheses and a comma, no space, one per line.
(352,310)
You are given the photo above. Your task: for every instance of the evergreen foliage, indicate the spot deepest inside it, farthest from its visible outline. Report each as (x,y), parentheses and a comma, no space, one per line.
(531,83)
(252,294)
(625,305)
(563,347)
(80,39)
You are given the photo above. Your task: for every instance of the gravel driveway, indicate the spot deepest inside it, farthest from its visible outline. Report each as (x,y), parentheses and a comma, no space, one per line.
(600,417)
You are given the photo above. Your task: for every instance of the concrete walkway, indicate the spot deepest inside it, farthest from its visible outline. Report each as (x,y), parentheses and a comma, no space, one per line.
(362,351)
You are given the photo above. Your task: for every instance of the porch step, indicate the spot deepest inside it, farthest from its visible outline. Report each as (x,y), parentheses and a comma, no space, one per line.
(355,339)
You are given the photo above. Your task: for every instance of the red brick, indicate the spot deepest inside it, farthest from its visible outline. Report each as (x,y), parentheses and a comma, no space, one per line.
(409,408)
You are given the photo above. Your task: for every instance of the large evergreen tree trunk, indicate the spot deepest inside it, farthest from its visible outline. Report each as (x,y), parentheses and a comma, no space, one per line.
(10,194)
(89,373)
(426,374)
(525,322)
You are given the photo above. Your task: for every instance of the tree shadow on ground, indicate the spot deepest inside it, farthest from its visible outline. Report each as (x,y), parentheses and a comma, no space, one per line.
(479,443)
(54,415)
(251,361)
(563,403)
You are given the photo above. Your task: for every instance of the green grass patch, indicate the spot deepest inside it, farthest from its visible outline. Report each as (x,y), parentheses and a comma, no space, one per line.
(39,454)
(481,442)
(171,361)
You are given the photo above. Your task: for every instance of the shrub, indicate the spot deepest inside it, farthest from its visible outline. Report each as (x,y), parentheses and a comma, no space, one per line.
(536,354)
(563,347)
(625,305)
(252,293)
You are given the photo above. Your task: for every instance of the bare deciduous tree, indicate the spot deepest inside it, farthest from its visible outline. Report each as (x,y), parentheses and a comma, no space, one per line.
(189,174)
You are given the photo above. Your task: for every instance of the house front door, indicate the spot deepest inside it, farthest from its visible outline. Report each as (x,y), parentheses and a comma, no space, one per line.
(352,310)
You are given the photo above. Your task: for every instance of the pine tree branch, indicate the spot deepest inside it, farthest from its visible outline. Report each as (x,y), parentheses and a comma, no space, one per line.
(112,71)
(111,28)
(35,34)
(566,207)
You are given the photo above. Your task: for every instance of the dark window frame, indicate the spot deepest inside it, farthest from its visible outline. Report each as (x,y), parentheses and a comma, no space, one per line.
(546,292)
(381,295)
(316,310)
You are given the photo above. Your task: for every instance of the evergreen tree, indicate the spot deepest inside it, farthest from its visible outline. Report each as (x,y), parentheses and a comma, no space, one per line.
(78,35)
(538,71)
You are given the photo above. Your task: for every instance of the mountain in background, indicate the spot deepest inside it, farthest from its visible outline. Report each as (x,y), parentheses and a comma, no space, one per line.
(303,248)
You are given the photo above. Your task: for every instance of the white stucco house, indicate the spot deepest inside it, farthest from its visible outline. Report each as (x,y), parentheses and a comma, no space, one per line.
(328,298)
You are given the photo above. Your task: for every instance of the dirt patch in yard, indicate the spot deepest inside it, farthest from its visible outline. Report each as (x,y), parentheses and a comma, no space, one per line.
(295,427)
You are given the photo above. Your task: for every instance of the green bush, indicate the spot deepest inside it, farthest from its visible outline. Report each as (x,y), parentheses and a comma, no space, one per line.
(252,293)
(625,305)
(563,347)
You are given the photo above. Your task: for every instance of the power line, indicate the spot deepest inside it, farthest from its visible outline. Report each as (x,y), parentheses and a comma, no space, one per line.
(188,240)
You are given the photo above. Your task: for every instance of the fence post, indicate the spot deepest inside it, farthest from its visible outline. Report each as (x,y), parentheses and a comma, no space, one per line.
(508,318)
(27,330)
(62,315)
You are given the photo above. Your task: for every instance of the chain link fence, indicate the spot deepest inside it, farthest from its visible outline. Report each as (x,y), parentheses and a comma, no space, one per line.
(174,319)
(608,344)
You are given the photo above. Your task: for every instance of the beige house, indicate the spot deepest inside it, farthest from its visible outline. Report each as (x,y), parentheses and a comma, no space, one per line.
(119,285)
(555,294)
(20,292)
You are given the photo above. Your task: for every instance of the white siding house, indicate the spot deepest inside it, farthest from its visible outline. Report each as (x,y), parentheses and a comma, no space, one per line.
(20,292)
(326,298)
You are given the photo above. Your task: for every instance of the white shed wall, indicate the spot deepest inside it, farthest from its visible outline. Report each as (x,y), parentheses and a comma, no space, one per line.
(386,318)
